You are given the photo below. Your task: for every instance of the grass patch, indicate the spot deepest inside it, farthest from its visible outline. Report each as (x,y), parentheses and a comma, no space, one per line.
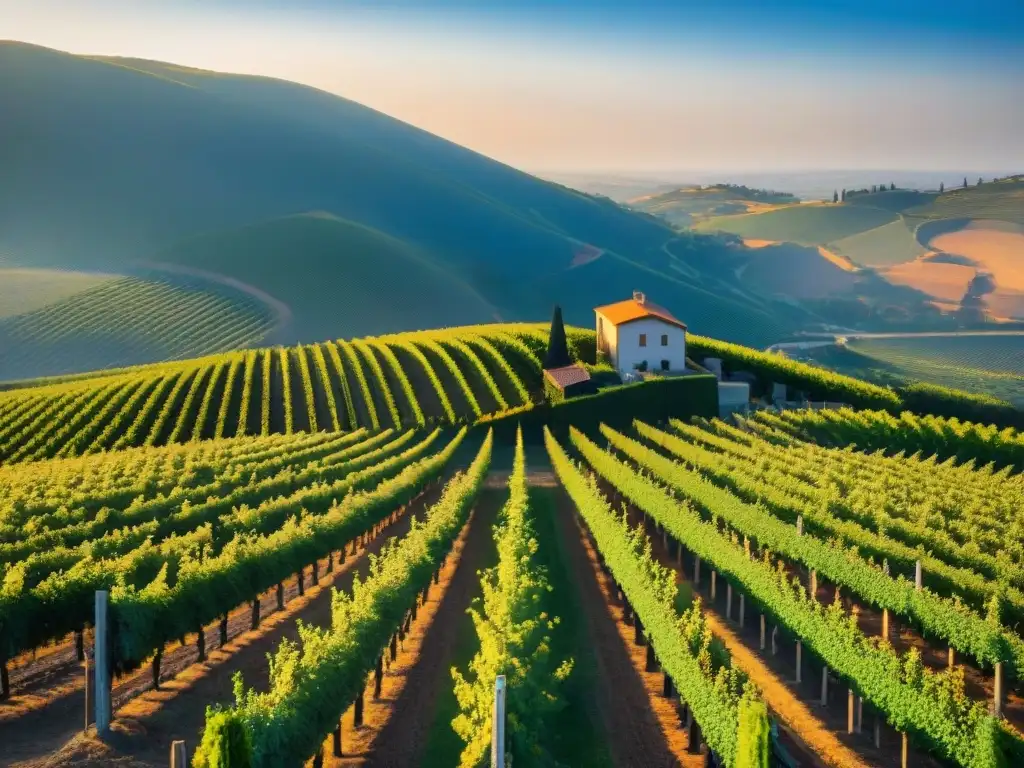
(883,246)
(576,737)
(806,224)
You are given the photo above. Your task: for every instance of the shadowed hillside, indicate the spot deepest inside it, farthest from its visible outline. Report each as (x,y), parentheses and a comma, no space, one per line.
(355,221)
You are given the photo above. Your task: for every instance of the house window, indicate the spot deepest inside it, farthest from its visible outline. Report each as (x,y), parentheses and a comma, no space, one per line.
(643,339)
(664,365)
(664,339)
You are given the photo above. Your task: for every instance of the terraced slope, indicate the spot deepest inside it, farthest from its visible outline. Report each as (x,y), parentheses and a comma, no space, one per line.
(395,381)
(87,323)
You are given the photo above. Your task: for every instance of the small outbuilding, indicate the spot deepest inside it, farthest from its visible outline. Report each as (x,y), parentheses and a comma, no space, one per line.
(566,382)
(638,335)
(563,378)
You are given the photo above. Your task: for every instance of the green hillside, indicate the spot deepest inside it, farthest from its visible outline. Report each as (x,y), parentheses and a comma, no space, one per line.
(335,274)
(883,246)
(810,224)
(378,383)
(990,365)
(356,222)
(688,205)
(27,290)
(1002,200)
(83,323)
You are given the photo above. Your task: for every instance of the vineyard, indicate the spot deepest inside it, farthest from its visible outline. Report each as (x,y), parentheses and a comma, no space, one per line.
(992,365)
(399,381)
(89,323)
(326,555)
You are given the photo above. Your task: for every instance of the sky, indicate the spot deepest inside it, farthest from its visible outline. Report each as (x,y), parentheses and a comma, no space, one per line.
(616,86)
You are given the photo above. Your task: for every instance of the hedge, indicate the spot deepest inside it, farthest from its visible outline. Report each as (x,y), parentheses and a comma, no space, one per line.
(930,399)
(652,401)
(823,384)
(819,383)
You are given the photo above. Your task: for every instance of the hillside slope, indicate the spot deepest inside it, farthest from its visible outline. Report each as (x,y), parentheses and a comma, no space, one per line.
(112,162)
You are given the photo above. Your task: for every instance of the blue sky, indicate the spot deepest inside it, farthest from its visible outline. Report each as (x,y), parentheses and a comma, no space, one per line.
(616,85)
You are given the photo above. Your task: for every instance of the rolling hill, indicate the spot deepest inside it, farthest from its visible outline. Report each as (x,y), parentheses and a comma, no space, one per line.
(356,222)
(959,249)
(60,323)
(989,365)
(689,205)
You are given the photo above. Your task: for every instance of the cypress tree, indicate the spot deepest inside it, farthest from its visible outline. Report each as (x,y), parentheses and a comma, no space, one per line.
(558,348)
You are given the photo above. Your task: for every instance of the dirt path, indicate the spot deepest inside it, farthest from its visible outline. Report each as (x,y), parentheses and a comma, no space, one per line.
(145,725)
(397,728)
(642,728)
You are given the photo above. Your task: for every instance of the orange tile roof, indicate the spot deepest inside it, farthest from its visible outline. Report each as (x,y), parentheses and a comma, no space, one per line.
(627,311)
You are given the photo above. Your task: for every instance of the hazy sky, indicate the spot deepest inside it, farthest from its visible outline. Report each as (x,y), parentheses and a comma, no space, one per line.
(616,85)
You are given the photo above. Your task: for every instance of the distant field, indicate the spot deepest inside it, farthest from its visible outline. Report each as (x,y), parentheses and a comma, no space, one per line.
(947,282)
(991,365)
(26,290)
(115,322)
(883,246)
(895,200)
(803,272)
(1003,200)
(805,224)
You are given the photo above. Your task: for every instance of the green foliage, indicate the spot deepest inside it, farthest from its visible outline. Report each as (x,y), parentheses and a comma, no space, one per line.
(930,706)
(514,633)
(353,364)
(681,642)
(908,432)
(653,400)
(966,630)
(177,561)
(820,384)
(753,738)
(313,681)
(127,321)
(806,224)
(935,400)
(225,742)
(379,380)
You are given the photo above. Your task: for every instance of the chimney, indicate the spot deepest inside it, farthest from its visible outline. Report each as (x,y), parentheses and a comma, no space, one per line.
(639,297)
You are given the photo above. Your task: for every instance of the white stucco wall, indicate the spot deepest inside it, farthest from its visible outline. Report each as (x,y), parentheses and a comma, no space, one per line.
(610,337)
(629,352)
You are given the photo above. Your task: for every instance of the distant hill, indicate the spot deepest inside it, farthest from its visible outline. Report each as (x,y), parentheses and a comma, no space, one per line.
(960,249)
(355,221)
(686,206)
(990,365)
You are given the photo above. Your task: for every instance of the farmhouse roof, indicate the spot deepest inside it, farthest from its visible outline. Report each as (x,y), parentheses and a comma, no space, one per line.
(622,312)
(567,375)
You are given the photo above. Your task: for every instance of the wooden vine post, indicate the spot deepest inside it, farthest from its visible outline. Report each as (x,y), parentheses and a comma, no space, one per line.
(997,708)
(179,755)
(101,695)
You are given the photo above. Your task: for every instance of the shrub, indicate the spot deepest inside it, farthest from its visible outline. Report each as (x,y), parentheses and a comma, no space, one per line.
(652,401)
(225,742)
